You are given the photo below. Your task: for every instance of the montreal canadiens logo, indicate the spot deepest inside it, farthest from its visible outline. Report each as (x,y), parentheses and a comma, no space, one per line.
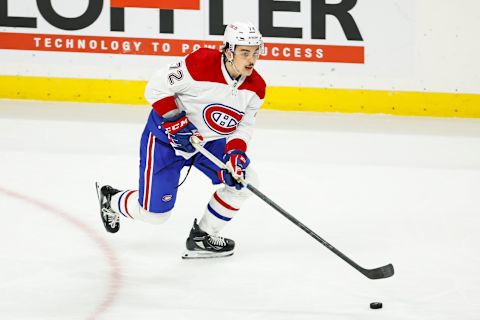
(167,197)
(222,119)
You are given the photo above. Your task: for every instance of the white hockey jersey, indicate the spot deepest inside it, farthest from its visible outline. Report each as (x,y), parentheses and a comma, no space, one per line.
(219,106)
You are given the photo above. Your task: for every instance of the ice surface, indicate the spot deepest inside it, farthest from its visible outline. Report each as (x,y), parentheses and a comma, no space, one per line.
(381,189)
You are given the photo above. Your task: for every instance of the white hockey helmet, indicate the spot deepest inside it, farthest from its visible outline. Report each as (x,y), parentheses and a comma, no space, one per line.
(242,33)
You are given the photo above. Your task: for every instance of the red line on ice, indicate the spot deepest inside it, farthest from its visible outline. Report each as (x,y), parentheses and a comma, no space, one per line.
(109,252)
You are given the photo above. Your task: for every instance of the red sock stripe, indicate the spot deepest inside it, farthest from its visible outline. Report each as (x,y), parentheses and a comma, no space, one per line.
(223,203)
(126,202)
(148,173)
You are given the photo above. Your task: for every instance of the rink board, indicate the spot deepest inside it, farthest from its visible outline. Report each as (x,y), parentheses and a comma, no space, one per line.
(277,98)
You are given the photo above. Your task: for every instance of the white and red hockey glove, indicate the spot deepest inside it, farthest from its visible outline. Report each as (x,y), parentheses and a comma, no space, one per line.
(179,130)
(237,162)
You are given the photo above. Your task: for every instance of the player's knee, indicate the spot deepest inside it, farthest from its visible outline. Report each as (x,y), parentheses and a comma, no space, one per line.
(154,217)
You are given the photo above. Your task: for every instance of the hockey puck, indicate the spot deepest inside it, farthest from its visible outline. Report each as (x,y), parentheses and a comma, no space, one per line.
(376,305)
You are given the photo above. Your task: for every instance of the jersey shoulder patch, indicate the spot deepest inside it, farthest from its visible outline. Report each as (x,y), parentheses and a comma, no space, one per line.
(255,83)
(205,65)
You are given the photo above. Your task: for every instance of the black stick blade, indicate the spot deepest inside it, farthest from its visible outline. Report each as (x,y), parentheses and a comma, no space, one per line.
(379,273)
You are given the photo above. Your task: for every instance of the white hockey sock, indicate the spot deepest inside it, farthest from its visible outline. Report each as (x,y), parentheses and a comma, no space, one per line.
(220,210)
(224,204)
(126,203)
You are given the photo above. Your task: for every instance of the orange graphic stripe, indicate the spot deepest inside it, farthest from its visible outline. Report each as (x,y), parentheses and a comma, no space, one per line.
(159,4)
(173,47)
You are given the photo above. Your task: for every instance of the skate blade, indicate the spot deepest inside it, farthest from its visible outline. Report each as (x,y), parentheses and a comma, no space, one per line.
(97,188)
(205,254)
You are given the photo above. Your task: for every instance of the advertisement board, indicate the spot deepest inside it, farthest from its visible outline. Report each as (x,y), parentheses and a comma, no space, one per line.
(340,45)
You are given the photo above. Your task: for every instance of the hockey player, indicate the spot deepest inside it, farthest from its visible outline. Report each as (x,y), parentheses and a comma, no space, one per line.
(215,96)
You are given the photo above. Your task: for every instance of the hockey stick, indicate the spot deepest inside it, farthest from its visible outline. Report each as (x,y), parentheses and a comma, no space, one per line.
(377,273)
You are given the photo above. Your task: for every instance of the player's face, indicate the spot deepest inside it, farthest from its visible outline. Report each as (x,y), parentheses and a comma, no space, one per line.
(245,58)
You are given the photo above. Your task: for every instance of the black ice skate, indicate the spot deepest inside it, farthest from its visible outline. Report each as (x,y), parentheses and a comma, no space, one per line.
(203,245)
(110,218)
